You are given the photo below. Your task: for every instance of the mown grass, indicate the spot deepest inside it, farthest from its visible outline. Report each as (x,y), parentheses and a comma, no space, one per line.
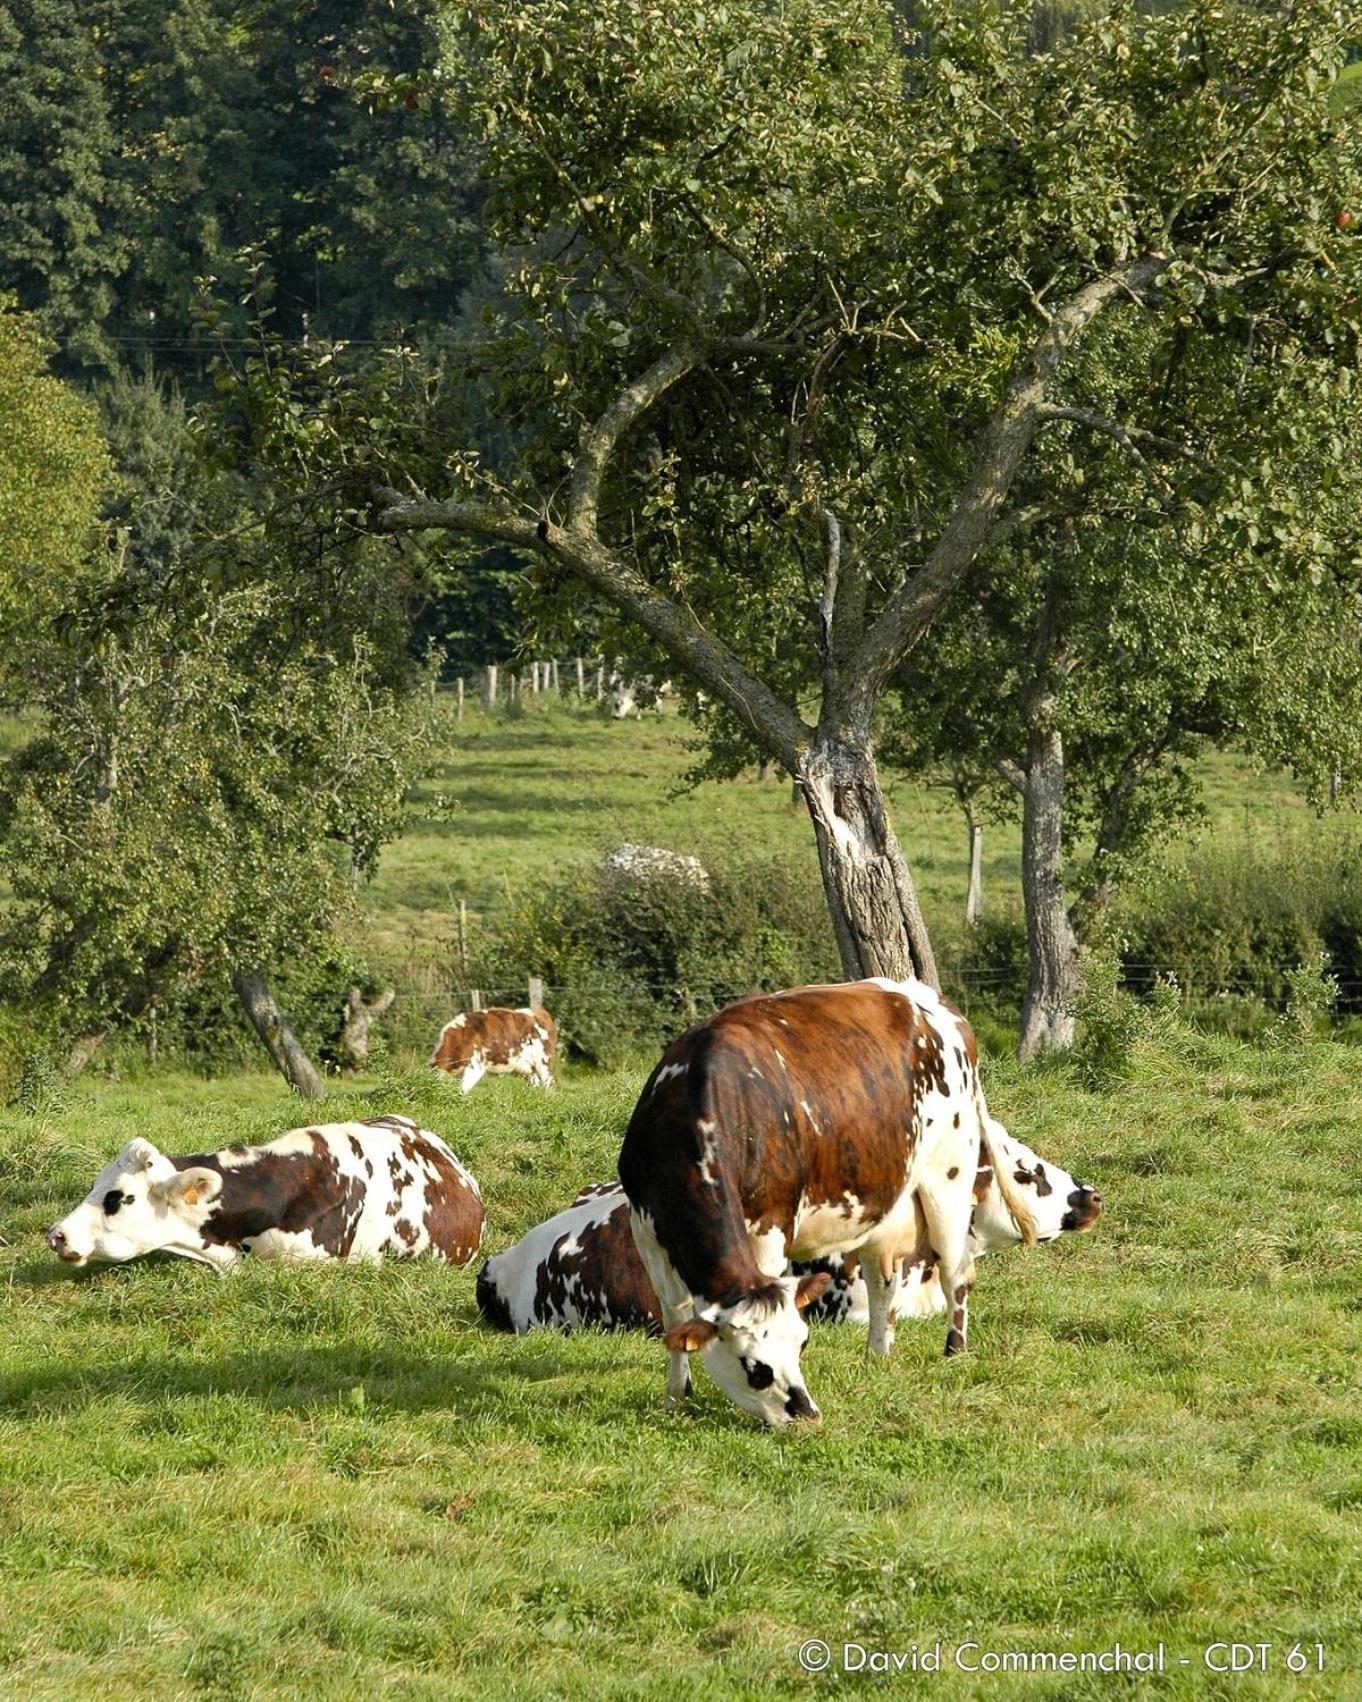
(336,1482)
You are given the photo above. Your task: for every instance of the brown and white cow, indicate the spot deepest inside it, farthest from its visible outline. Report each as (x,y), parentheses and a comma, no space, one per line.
(794,1125)
(334,1191)
(581,1267)
(497,1042)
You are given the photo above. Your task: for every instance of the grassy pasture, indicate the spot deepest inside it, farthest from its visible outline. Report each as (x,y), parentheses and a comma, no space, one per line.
(336,1482)
(515,800)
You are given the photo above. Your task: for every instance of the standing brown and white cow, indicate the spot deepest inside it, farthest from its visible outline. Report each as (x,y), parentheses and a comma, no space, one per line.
(581,1268)
(795,1125)
(498,1042)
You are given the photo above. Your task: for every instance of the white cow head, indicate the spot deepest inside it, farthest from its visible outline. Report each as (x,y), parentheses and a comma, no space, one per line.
(1057,1200)
(752,1349)
(140,1203)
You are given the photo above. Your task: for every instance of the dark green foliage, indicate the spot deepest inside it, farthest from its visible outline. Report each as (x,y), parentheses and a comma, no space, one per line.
(1236,922)
(145,144)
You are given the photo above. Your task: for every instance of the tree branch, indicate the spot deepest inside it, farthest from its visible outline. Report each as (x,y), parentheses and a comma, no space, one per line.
(1006,439)
(1010,772)
(674,628)
(599,441)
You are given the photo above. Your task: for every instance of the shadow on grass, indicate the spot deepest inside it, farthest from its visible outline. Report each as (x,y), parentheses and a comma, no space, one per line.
(303,1378)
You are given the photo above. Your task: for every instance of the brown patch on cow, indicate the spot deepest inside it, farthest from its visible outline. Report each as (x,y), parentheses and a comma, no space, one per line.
(983,1181)
(406,1232)
(952,1173)
(454,1211)
(496,1036)
(300,1193)
(600,1279)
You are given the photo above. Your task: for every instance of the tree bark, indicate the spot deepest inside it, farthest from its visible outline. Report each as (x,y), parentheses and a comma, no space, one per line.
(277,1037)
(974,896)
(876,918)
(83,1049)
(359,1017)
(1047,1023)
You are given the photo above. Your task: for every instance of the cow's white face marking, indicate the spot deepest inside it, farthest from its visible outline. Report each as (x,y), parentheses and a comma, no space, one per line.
(1046,1187)
(140,1203)
(755,1358)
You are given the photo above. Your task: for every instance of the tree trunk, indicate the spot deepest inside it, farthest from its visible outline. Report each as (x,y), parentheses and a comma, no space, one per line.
(83,1049)
(359,1016)
(278,1038)
(875,914)
(1047,1023)
(974,897)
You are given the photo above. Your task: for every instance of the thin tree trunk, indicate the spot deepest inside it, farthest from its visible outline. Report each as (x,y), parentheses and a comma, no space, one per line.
(83,1049)
(870,895)
(278,1038)
(974,897)
(1047,1023)
(359,1017)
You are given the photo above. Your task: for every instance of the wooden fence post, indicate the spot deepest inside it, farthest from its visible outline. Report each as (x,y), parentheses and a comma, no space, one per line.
(460,698)
(536,992)
(476,997)
(463,942)
(974,898)
(491,685)
(581,679)
(553,672)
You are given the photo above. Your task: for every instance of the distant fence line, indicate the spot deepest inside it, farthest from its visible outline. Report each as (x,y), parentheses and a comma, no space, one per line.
(539,991)
(582,679)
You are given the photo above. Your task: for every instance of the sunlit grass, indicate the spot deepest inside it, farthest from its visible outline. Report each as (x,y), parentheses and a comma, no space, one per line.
(336,1482)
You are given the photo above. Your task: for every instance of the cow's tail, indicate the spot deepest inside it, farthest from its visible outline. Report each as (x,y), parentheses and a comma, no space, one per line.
(1002,1175)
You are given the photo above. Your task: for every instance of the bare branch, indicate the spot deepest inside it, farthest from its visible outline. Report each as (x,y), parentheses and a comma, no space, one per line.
(673,627)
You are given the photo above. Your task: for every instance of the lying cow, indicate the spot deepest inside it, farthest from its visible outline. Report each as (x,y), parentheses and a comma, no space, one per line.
(582,1268)
(498,1042)
(795,1125)
(338,1191)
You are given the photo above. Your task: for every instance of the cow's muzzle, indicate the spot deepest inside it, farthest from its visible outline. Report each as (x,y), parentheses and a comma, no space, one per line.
(1085,1207)
(56,1240)
(798,1405)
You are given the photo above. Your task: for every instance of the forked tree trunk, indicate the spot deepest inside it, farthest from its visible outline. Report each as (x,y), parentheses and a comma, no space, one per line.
(278,1038)
(870,894)
(1047,1023)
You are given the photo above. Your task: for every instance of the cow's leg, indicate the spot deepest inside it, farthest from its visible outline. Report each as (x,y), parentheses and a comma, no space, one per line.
(948,1223)
(474,1071)
(881,1291)
(674,1298)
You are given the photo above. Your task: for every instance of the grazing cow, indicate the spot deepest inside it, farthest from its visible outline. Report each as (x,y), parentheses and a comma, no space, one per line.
(790,1126)
(499,1042)
(337,1191)
(582,1268)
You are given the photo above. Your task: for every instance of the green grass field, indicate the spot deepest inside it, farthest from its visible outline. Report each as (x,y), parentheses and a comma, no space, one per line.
(335,1482)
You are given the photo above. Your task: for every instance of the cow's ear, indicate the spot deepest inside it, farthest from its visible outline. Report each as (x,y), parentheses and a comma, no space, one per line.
(197,1186)
(811,1287)
(138,1155)
(691,1337)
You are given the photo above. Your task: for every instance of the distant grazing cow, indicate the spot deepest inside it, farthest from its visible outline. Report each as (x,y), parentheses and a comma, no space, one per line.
(791,1126)
(499,1042)
(337,1191)
(582,1268)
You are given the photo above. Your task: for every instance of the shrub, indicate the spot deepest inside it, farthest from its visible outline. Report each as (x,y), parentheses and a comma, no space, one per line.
(1109,1022)
(627,964)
